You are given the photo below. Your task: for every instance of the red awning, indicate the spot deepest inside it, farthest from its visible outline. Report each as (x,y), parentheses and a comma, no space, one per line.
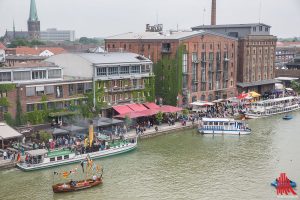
(122,109)
(131,115)
(137,107)
(169,109)
(144,113)
(151,105)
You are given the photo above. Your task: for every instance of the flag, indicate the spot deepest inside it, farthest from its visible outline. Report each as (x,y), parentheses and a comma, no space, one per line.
(91,134)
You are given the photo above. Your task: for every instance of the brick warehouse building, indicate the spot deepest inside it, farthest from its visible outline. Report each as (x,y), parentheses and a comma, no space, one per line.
(188,65)
(256,54)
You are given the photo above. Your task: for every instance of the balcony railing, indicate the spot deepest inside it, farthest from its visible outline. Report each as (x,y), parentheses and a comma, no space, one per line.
(125,88)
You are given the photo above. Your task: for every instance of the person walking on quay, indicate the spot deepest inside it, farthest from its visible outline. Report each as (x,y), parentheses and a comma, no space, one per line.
(5,155)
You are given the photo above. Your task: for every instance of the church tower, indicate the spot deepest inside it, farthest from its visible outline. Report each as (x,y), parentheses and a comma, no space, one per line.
(33,22)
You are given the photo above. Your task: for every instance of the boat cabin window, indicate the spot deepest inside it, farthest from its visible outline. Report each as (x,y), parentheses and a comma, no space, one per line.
(52,159)
(59,157)
(66,156)
(211,123)
(221,123)
(231,124)
(225,123)
(215,123)
(205,123)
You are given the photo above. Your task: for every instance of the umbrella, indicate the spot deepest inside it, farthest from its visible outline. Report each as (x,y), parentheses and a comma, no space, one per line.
(254,94)
(169,109)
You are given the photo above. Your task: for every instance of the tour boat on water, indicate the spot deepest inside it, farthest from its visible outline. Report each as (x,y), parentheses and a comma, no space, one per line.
(224,126)
(42,158)
(271,107)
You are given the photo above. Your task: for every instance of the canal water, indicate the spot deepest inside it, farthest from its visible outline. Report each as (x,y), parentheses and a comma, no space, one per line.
(183,165)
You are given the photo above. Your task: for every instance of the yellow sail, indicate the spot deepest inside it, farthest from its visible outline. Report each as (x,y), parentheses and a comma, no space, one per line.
(91,134)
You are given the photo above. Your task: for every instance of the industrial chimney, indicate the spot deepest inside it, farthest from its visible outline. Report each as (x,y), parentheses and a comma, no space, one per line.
(213,12)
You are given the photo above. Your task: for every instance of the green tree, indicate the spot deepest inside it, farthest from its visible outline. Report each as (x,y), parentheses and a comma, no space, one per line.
(22,42)
(88,110)
(159,117)
(86,40)
(18,110)
(295,86)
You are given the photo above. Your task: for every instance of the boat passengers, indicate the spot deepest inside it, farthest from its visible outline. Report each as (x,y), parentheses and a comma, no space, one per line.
(72,183)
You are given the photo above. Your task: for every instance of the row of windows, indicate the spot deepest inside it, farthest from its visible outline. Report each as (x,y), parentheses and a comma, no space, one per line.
(26,75)
(51,105)
(136,69)
(73,89)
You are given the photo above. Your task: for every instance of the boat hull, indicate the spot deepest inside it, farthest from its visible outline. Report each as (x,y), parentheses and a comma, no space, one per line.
(224,132)
(256,116)
(78,158)
(292,183)
(80,185)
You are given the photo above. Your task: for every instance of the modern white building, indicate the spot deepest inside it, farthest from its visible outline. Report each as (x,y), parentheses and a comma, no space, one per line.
(54,35)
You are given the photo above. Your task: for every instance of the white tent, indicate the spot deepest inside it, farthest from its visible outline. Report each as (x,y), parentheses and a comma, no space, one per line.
(7,132)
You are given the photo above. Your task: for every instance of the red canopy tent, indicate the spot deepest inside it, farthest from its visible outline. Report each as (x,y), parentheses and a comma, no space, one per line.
(243,95)
(151,105)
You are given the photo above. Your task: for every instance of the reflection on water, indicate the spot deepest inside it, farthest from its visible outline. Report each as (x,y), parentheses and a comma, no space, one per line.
(183,166)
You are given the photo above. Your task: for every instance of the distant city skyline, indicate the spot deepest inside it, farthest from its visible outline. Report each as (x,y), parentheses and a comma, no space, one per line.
(99,18)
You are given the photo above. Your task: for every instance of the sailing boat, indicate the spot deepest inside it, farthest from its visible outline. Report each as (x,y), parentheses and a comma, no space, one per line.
(90,170)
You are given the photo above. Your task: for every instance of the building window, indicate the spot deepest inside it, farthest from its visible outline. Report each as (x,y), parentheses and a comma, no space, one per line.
(124,46)
(30,107)
(254,29)
(59,105)
(72,89)
(260,28)
(30,91)
(80,88)
(149,46)
(194,98)
(202,97)
(5,76)
(59,91)
(49,89)
(88,87)
(135,69)
(50,105)
(231,83)
(113,71)
(40,106)
(41,74)
(40,90)
(54,73)
(124,70)
(210,97)
(203,46)
(101,71)
(21,76)
(184,64)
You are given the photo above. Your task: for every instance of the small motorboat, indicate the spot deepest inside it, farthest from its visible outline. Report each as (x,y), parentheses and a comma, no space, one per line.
(287,117)
(275,183)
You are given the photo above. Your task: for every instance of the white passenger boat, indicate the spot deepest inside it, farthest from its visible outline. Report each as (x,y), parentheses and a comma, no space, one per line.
(42,158)
(272,107)
(224,126)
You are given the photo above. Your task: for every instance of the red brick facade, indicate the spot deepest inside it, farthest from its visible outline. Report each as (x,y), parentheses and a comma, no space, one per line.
(196,87)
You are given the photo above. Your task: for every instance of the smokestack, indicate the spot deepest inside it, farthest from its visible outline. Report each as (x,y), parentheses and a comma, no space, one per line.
(213,12)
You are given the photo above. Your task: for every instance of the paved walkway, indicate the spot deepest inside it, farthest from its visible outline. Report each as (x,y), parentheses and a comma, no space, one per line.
(8,163)
(162,129)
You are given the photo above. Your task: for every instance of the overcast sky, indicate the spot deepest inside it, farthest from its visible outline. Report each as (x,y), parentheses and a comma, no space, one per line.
(101,18)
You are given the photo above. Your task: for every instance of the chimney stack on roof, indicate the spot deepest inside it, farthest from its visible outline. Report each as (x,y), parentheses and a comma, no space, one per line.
(213,12)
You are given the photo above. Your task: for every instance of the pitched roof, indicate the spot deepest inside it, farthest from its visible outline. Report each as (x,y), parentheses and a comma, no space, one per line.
(168,35)
(37,51)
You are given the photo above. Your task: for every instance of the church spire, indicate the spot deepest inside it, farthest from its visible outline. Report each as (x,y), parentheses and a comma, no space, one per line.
(33,12)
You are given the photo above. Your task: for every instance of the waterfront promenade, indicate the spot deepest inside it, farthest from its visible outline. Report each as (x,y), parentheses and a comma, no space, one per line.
(162,129)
